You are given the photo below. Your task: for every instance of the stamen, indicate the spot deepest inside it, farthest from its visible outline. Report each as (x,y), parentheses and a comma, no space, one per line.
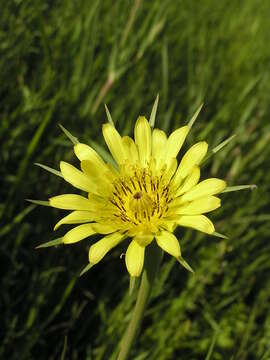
(133,184)
(123,188)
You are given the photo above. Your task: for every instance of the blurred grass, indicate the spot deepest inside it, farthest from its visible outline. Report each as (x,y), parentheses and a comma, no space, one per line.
(60,61)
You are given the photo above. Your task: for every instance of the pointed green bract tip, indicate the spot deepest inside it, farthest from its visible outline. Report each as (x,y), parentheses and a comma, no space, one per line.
(185,264)
(72,138)
(220,235)
(86,268)
(49,169)
(152,119)
(194,117)
(223,143)
(38,202)
(239,187)
(54,242)
(218,148)
(109,117)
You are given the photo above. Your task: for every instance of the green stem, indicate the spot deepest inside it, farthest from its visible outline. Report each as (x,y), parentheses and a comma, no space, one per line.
(152,261)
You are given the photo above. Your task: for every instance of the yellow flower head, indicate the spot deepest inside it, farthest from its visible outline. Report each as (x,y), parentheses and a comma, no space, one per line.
(144,198)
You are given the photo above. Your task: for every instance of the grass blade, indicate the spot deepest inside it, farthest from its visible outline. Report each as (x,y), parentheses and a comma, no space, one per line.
(63,354)
(212,346)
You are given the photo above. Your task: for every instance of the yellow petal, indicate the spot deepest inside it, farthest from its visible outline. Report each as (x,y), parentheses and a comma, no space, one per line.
(169,243)
(130,149)
(142,135)
(159,141)
(191,180)
(100,205)
(200,206)
(198,222)
(100,249)
(77,178)
(93,169)
(175,142)
(102,176)
(191,158)
(70,202)
(102,228)
(168,224)
(134,258)
(206,187)
(89,168)
(76,217)
(170,170)
(85,152)
(78,233)
(114,143)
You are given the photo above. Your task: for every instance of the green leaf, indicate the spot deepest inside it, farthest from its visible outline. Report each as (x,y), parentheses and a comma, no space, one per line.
(154,112)
(239,187)
(54,242)
(72,138)
(86,268)
(39,202)
(51,170)
(194,117)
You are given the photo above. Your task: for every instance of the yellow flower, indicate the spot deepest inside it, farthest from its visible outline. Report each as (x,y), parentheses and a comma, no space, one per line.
(145,198)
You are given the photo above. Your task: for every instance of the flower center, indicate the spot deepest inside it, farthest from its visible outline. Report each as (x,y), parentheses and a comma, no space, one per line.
(141,206)
(139,197)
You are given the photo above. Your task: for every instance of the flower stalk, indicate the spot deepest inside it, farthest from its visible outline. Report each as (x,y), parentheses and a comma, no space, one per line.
(152,262)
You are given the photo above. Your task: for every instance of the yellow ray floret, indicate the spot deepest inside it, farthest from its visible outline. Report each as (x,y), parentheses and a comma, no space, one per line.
(100,249)
(144,198)
(135,258)
(175,142)
(142,136)
(169,243)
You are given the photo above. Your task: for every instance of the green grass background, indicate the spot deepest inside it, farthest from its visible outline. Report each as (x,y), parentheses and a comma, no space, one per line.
(59,62)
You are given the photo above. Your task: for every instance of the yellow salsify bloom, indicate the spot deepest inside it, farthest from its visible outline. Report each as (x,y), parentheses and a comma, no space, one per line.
(145,198)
